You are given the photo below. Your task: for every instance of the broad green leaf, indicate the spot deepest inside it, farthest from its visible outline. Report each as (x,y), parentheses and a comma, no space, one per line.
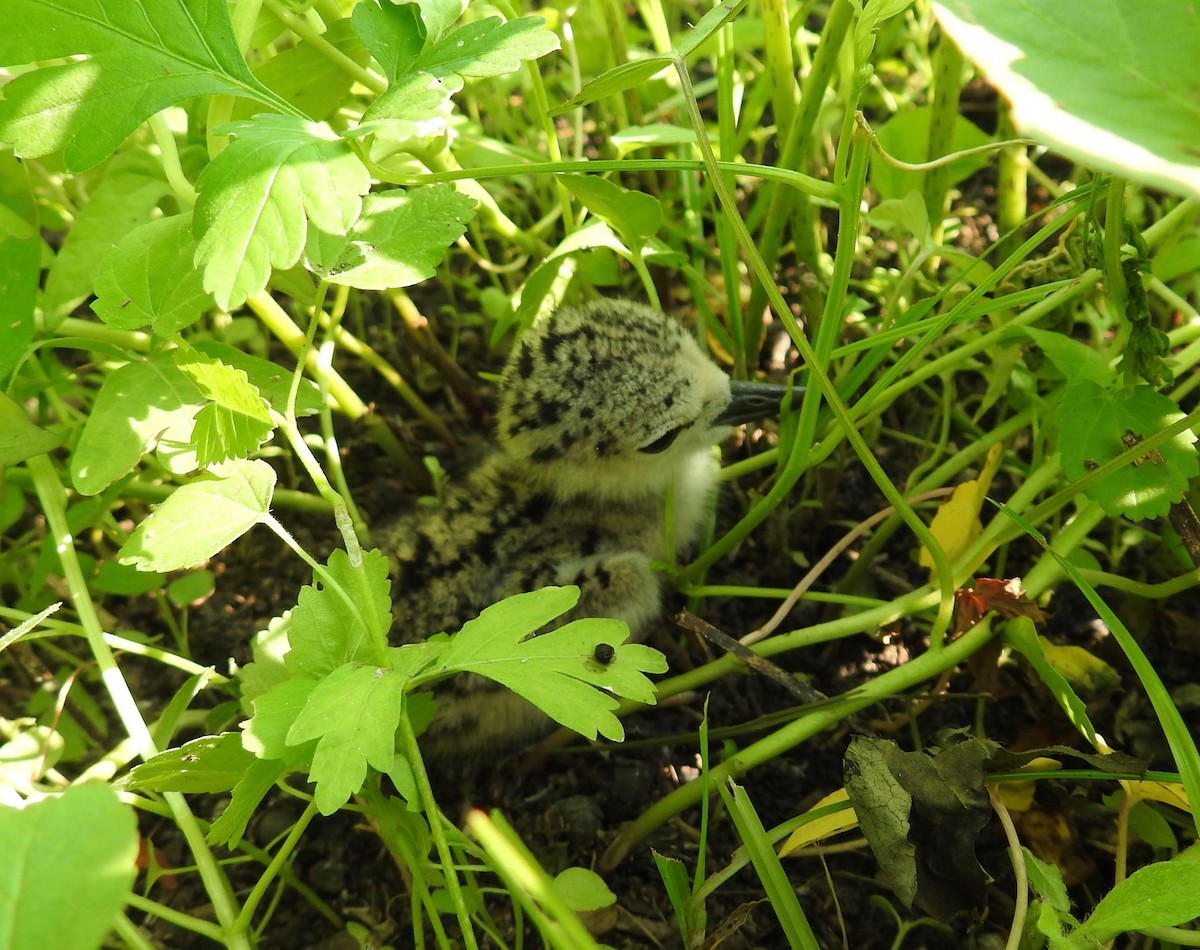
(149,279)
(257,197)
(207,764)
(1159,895)
(1046,880)
(633,214)
(399,240)
(633,137)
(143,58)
(558,671)
(138,405)
(352,713)
(1096,425)
(1073,359)
(19,438)
(488,47)
(125,199)
(20,262)
(201,518)
(326,632)
(438,16)
(81,845)
(265,733)
(237,420)
(392,32)
(1111,85)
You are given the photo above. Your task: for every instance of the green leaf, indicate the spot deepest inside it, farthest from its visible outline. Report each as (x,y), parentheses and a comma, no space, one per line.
(393,33)
(270,379)
(325,632)
(82,844)
(19,438)
(557,671)
(634,214)
(706,26)
(201,518)
(238,419)
(414,112)
(138,405)
(488,47)
(399,240)
(266,732)
(613,81)
(148,279)
(257,197)
(1114,89)
(143,58)
(1158,895)
(259,778)
(192,587)
(125,199)
(207,764)
(1047,881)
(1074,359)
(583,890)
(1096,425)
(352,713)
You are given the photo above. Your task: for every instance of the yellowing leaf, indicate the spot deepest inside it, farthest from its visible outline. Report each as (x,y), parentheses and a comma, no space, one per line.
(826,826)
(1083,670)
(956,523)
(1167,793)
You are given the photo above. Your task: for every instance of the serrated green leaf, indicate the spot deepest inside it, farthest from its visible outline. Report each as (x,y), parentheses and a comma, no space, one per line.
(138,405)
(148,279)
(19,438)
(201,518)
(270,379)
(125,199)
(257,197)
(1114,89)
(488,47)
(143,58)
(634,214)
(1159,895)
(413,112)
(352,713)
(1073,359)
(557,671)
(207,764)
(236,422)
(83,844)
(265,733)
(393,33)
(325,632)
(399,240)
(1096,425)
(438,16)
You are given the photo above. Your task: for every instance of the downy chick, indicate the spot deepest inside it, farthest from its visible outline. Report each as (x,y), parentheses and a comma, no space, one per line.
(606,411)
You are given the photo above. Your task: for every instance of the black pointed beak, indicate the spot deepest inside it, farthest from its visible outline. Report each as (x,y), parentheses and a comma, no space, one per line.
(753,401)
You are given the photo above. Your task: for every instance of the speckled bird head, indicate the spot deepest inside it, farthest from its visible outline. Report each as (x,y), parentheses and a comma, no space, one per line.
(611,398)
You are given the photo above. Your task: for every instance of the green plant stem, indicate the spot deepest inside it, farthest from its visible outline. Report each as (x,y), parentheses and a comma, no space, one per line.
(1179,219)
(781,69)
(299,26)
(806,183)
(169,155)
(285,850)
(1114,239)
(408,745)
(1012,181)
(178,918)
(895,681)
(784,208)
(947,85)
(624,104)
(52,497)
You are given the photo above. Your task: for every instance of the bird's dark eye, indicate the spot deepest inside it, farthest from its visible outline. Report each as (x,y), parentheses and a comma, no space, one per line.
(663,442)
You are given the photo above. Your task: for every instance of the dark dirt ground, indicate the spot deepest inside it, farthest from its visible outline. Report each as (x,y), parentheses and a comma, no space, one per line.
(568,806)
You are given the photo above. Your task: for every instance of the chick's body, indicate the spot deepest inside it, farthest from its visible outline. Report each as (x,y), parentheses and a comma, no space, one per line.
(606,411)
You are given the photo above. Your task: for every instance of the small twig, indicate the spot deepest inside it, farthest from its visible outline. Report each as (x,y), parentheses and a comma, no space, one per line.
(828,558)
(693,624)
(1018,862)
